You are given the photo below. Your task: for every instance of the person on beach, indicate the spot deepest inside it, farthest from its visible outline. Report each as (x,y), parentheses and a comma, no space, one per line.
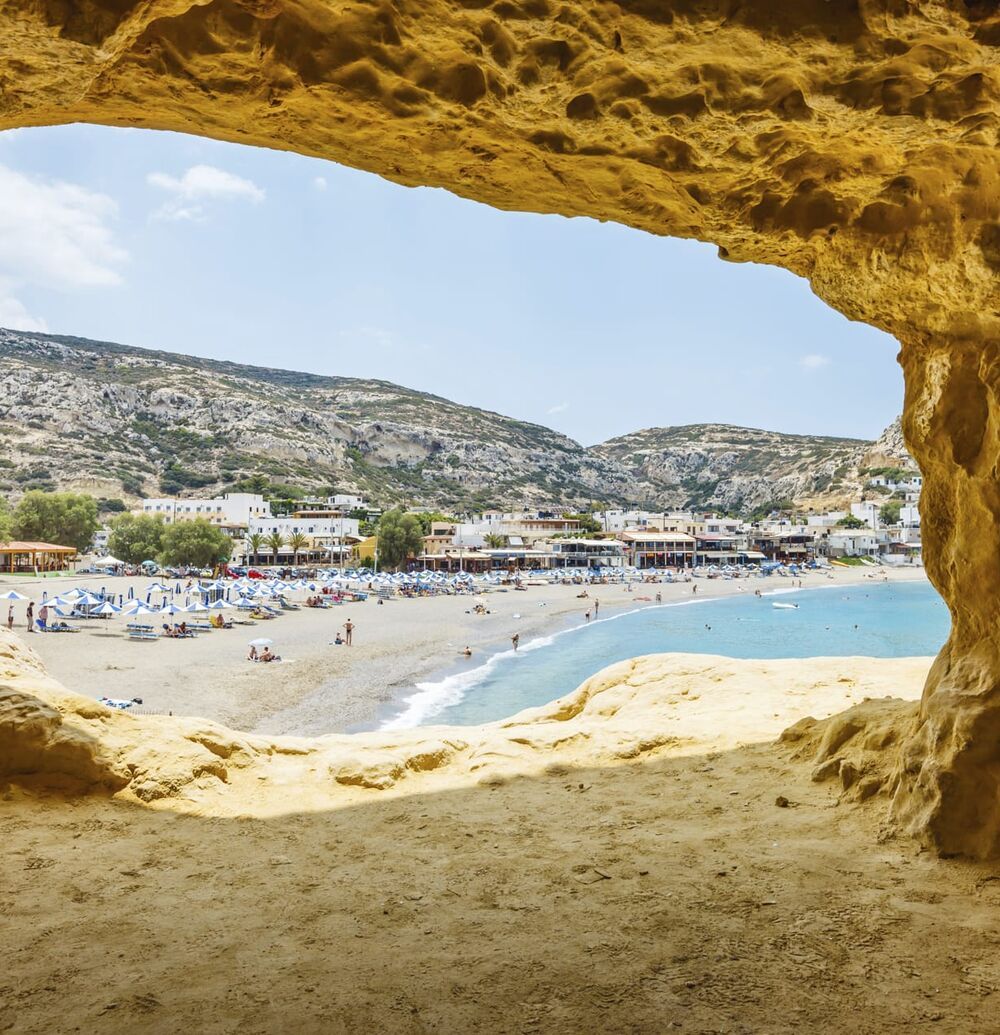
(338,640)
(597,606)
(659,597)
(467,653)
(30,616)
(348,632)
(515,640)
(586,615)
(43,617)
(694,589)
(10,616)
(252,653)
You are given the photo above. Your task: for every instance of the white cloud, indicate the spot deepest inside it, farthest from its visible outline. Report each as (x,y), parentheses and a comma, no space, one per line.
(14,315)
(814,361)
(200,184)
(53,235)
(319,182)
(559,408)
(56,234)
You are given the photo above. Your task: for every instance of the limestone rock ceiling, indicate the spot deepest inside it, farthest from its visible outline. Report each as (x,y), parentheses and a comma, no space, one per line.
(853,142)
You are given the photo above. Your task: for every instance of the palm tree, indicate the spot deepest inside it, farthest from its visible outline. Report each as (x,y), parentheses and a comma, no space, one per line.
(254,543)
(494,540)
(274,542)
(297,542)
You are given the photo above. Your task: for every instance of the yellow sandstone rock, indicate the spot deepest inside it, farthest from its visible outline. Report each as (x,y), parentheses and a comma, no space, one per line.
(852,143)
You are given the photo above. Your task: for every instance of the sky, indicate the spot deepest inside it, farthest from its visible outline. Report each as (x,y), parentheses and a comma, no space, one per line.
(210,249)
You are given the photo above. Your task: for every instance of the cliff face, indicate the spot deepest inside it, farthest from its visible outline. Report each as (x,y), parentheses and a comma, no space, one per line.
(852,143)
(889,450)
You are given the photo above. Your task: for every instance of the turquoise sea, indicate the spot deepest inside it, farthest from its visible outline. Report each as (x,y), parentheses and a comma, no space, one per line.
(877,620)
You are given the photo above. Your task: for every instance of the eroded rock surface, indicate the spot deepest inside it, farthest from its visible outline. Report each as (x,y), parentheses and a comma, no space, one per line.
(852,143)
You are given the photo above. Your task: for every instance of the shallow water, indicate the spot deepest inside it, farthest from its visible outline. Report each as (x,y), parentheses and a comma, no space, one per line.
(878,620)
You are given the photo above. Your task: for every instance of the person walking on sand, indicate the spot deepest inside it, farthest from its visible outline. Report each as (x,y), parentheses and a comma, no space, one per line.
(587,615)
(515,640)
(30,616)
(10,616)
(597,606)
(348,632)
(694,589)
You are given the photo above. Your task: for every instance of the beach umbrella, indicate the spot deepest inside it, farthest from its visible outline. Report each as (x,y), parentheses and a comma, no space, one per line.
(246,605)
(107,608)
(168,609)
(12,594)
(218,605)
(196,606)
(262,642)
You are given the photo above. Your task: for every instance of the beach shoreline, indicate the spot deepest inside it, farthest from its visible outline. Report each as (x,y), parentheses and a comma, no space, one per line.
(320,688)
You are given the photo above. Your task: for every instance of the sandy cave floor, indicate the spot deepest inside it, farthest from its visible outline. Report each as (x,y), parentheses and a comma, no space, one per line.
(660,894)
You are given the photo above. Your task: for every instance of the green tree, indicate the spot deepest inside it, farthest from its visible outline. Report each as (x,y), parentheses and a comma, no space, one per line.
(495,541)
(274,542)
(429,518)
(850,521)
(889,512)
(197,543)
(254,542)
(5,521)
(136,538)
(399,536)
(64,518)
(297,542)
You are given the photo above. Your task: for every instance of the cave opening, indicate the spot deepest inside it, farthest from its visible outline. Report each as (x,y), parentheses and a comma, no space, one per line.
(854,148)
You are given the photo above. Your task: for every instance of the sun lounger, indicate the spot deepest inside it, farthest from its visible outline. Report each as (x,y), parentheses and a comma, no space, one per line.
(141,634)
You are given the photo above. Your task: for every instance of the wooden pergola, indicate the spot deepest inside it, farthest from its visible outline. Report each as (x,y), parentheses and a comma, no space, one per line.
(31,557)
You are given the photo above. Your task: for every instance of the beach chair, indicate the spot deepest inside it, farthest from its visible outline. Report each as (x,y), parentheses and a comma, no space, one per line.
(141,634)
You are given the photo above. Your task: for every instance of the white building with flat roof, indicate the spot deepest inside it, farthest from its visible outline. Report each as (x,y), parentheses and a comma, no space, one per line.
(234,510)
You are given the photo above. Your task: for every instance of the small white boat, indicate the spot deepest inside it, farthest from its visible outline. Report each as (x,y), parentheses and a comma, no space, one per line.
(792,607)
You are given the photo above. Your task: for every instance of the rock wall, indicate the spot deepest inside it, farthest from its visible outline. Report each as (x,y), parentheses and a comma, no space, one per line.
(853,143)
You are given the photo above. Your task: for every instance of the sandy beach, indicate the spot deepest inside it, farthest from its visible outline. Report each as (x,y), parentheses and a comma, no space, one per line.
(319,688)
(635,857)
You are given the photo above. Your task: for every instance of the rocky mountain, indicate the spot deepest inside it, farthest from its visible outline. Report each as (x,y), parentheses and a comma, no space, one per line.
(890,449)
(741,469)
(120,421)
